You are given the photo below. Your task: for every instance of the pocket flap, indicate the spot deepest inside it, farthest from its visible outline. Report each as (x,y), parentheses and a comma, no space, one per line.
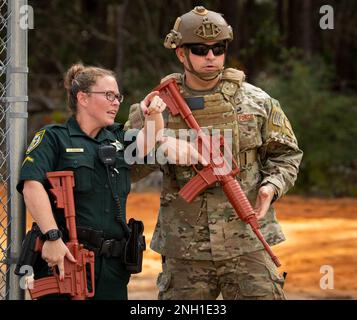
(163,281)
(75,161)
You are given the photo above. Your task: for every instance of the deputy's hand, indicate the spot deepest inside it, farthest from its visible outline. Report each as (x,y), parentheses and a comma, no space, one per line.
(54,252)
(264,197)
(152,104)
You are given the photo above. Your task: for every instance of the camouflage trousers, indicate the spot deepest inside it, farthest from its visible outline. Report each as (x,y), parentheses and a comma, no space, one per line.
(250,276)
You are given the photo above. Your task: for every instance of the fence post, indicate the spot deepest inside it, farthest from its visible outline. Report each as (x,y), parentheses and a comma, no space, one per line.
(16,129)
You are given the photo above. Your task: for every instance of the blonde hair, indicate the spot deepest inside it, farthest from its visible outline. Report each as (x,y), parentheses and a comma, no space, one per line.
(81,78)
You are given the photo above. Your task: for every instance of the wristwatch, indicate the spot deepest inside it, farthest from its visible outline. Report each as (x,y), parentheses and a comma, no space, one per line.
(52,235)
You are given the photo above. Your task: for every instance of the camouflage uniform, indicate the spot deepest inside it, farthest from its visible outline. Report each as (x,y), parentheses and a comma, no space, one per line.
(207,249)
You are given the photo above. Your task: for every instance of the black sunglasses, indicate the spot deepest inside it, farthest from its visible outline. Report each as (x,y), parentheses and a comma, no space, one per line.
(203,49)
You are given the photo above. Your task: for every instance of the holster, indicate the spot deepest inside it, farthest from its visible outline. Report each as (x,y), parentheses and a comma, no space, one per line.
(134,247)
(28,255)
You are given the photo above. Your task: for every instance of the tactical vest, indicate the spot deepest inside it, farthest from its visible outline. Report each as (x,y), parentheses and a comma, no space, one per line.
(218,114)
(207,228)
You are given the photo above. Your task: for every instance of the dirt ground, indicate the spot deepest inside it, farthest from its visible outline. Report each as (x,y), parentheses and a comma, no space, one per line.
(321,235)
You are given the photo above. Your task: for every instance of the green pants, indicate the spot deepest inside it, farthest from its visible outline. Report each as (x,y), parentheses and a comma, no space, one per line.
(250,276)
(111,279)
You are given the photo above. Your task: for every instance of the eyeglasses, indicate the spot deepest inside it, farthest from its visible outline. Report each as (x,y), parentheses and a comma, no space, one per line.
(203,49)
(110,95)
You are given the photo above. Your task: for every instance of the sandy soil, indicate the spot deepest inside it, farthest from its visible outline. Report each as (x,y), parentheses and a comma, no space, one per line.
(321,234)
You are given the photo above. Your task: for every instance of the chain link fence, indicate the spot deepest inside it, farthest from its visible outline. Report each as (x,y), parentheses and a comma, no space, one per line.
(13,127)
(4,152)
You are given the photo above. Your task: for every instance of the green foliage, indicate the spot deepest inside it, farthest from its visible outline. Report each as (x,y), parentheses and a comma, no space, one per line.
(323,121)
(127,36)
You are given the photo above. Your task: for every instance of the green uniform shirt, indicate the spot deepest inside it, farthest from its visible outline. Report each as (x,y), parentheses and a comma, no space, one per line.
(66,147)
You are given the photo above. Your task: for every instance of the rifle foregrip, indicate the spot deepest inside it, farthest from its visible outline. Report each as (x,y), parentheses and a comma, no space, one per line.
(243,208)
(240,203)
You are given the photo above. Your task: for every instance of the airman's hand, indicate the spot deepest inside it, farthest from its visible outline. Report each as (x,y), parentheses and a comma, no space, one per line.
(182,152)
(264,198)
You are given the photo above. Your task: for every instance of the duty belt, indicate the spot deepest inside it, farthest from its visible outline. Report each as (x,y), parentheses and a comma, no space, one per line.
(96,241)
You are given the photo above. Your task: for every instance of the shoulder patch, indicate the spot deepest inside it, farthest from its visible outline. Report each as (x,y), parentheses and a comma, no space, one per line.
(277,117)
(36,141)
(278,121)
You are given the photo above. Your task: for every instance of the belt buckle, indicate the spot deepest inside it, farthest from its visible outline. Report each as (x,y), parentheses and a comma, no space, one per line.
(106,248)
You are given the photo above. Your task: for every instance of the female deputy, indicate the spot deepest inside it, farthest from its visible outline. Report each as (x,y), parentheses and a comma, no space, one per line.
(100,198)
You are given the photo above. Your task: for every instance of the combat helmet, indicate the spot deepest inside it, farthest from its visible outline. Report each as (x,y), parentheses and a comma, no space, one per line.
(198,26)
